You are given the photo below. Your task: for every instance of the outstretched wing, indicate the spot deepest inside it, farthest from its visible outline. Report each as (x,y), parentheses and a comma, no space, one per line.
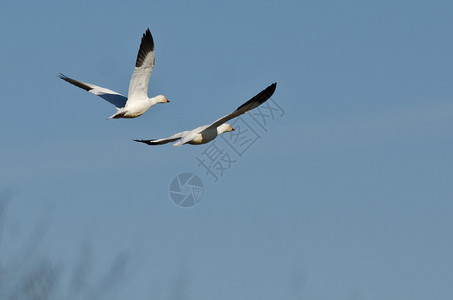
(256,101)
(111,96)
(170,139)
(138,87)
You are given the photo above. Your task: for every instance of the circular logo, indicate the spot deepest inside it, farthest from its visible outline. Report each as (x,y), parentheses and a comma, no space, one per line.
(186,189)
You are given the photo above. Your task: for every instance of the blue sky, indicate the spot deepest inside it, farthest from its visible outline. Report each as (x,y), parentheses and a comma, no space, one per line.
(345,196)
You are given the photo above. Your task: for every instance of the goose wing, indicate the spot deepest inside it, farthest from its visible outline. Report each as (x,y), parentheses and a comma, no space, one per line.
(111,96)
(138,86)
(170,139)
(256,101)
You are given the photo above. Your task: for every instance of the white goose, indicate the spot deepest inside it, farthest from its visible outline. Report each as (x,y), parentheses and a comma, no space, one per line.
(207,133)
(137,101)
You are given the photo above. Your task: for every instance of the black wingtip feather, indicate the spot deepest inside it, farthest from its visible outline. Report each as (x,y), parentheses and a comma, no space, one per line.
(260,98)
(75,82)
(148,142)
(146,46)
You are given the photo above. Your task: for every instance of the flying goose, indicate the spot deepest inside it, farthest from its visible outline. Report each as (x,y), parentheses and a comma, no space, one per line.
(207,133)
(137,101)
